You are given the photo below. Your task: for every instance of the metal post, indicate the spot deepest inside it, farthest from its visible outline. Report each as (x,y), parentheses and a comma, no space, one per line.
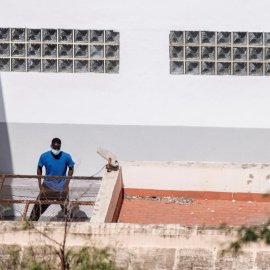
(25,211)
(2,180)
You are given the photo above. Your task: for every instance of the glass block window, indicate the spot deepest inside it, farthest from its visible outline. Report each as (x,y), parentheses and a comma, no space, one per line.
(59,50)
(219,53)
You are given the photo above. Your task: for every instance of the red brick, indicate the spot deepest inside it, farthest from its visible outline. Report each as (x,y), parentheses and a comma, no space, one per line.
(155,212)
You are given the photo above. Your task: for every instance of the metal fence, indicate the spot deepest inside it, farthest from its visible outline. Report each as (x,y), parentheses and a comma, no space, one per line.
(19,194)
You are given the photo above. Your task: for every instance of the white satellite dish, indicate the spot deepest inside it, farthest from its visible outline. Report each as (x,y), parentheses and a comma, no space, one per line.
(110,157)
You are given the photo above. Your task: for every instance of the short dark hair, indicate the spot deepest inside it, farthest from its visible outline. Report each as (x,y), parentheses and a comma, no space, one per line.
(56,140)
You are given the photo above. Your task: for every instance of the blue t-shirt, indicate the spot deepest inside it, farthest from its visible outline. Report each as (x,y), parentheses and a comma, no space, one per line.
(57,167)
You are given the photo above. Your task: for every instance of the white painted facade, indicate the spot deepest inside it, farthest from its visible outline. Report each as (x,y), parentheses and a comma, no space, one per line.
(143,93)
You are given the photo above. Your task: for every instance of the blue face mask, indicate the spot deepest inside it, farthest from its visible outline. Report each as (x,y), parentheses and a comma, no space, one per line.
(56,152)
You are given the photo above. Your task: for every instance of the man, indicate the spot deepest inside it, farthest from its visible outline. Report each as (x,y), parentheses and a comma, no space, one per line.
(56,163)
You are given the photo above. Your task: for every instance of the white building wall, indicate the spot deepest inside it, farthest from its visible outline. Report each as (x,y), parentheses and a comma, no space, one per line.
(143,94)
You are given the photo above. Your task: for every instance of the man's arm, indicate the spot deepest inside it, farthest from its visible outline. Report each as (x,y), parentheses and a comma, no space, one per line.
(70,173)
(39,172)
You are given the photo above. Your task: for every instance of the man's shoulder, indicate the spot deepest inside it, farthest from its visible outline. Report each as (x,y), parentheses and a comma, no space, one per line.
(66,155)
(45,154)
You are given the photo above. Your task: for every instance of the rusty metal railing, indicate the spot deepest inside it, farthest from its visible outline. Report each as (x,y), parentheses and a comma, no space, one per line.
(3,177)
(28,202)
(50,176)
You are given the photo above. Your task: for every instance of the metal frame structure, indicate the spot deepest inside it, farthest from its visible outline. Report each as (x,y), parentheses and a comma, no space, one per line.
(3,177)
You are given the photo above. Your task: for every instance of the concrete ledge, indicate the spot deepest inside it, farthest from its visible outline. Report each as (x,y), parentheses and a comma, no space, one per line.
(125,234)
(107,198)
(147,246)
(196,176)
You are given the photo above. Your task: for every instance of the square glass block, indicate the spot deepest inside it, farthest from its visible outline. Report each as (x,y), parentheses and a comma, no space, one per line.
(65,51)
(111,36)
(80,51)
(240,38)
(18,34)
(112,51)
(224,53)
(33,34)
(81,66)
(192,52)
(176,52)
(224,38)
(223,68)
(255,53)
(49,50)
(267,38)
(4,49)
(49,65)
(4,64)
(176,37)
(33,65)
(65,66)
(176,67)
(97,36)
(97,66)
(33,50)
(112,66)
(18,64)
(4,34)
(267,54)
(18,49)
(49,35)
(192,37)
(81,36)
(239,68)
(192,68)
(97,51)
(208,37)
(208,68)
(65,35)
(239,53)
(208,53)
(267,69)
(256,69)
(255,38)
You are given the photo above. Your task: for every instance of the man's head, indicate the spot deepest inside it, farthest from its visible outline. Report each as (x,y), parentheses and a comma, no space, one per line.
(56,146)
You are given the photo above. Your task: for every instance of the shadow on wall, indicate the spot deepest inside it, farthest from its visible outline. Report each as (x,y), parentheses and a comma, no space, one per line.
(5,152)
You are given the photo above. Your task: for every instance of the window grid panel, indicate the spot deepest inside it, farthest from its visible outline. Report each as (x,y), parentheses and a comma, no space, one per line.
(73,53)
(263,53)
(231,53)
(248,52)
(29,55)
(200,53)
(184,52)
(26,49)
(10,49)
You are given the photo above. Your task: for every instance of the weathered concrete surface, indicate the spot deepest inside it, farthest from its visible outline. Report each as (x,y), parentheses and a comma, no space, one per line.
(107,197)
(147,246)
(196,176)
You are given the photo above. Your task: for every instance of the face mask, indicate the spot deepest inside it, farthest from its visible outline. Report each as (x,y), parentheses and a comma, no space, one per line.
(56,152)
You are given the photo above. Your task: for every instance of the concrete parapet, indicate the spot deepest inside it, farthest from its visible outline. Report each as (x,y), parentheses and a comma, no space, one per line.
(148,246)
(196,176)
(108,196)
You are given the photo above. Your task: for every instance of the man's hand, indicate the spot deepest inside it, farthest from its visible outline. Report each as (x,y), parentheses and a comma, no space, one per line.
(65,188)
(70,173)
(39,172)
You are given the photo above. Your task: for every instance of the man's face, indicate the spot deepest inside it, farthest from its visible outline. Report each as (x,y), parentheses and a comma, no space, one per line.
(56,146)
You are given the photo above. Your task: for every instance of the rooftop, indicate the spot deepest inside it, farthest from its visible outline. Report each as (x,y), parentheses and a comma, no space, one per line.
(162,210)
